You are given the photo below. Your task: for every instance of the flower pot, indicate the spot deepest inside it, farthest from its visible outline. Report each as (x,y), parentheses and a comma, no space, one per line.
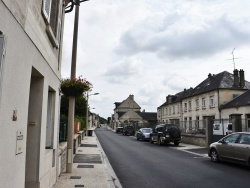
(72,91)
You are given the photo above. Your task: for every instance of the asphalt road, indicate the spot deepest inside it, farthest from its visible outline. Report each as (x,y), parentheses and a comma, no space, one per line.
(139,164)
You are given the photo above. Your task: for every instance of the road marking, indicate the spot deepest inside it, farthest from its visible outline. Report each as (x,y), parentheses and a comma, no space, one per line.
(198,154)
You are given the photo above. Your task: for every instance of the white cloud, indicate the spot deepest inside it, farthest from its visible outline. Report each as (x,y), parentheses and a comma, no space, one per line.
(155,48)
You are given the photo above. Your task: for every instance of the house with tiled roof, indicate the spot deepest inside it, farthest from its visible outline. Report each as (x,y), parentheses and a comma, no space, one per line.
(129,112)
(205,100)
(239,106)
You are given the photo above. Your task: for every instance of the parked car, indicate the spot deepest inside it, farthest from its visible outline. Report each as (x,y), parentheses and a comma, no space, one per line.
(119,130)
(166,133)
(128,130)
(143,134)
(232,148)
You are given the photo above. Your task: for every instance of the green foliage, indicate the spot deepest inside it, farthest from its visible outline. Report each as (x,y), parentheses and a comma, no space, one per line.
(75,87)
(80,106)
(102,120)
(82,120)
(79,82)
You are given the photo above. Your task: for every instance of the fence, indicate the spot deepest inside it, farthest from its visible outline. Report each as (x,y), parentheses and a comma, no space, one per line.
(63,132)
(194,127)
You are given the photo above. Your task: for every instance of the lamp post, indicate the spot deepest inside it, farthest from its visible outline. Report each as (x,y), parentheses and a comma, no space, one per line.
(71,113)
(87,109)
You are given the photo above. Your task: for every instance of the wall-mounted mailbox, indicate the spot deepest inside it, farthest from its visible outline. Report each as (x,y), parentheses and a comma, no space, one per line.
(19,142)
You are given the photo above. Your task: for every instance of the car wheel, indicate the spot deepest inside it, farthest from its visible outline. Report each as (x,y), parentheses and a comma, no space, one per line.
(214,155)
(137,137)
(159,141)
(176,143)
(151,140)
(249,162)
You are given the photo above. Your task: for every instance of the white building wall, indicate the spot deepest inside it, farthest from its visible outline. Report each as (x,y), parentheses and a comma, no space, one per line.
(27,46)
(245,114)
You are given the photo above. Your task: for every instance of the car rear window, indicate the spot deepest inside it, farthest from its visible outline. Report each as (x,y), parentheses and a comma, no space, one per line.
(146,130)
(172,127)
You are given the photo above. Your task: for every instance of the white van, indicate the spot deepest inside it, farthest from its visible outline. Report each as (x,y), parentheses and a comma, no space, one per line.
(218,129)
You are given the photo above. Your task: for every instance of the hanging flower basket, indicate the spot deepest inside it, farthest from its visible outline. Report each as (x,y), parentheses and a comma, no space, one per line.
(75,87)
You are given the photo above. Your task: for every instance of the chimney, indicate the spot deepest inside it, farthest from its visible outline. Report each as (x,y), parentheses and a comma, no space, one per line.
(242,78)
(131,96)
(210,76)
(236,77)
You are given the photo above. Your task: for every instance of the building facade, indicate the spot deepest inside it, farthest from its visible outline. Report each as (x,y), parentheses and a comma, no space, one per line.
(30,61)
(190,107)
(129,112)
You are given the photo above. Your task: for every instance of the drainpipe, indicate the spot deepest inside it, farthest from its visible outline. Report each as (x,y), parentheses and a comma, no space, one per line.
(219,104)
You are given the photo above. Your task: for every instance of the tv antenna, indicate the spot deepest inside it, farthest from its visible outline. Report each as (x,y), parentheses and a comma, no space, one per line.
(233,58)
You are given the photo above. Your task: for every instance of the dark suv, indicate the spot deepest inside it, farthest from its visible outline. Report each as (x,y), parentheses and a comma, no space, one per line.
(165,133)
(128,129)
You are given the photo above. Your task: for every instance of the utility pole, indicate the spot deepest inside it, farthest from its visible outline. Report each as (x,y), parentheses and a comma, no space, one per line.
(71,113)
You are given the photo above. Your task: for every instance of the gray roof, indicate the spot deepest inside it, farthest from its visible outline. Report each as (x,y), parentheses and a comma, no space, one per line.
(241,100)
(148,115)
(145,115)
(223,80)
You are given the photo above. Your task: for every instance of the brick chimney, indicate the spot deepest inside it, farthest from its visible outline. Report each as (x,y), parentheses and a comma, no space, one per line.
(236,78)
(242,78)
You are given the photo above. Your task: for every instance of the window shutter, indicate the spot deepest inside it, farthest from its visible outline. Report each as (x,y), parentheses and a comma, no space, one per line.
(59,21)
(46,9)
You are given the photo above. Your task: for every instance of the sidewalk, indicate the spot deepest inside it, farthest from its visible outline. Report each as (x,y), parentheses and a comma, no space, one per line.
(91,168)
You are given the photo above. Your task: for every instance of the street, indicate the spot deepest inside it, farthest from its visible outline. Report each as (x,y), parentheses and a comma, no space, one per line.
(141,164)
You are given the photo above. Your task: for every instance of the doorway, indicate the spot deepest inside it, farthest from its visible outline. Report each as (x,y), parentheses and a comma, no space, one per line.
(33,140)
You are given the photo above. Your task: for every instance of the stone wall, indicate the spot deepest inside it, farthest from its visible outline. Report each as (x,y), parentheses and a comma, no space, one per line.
(199,140)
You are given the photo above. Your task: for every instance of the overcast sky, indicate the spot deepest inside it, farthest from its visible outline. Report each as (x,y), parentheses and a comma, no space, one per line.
(153,48)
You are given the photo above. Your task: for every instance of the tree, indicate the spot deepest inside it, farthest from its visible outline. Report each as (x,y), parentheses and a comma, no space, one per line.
(80,106)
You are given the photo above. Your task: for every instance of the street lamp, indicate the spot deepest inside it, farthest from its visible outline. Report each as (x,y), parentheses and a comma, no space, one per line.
(71,113)
(87,110)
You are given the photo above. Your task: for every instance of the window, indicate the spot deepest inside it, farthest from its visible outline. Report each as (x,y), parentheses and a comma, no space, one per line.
(231,138)
(173,109)
(170,110)
(212,101)
(190,105)
(52,12)
(50,119)
(185,106)
(166,111)
(197,104)
(159,129)
(244,139)
(178,109)
(203,103)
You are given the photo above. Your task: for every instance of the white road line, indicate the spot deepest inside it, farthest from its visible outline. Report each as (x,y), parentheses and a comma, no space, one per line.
(198,154)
